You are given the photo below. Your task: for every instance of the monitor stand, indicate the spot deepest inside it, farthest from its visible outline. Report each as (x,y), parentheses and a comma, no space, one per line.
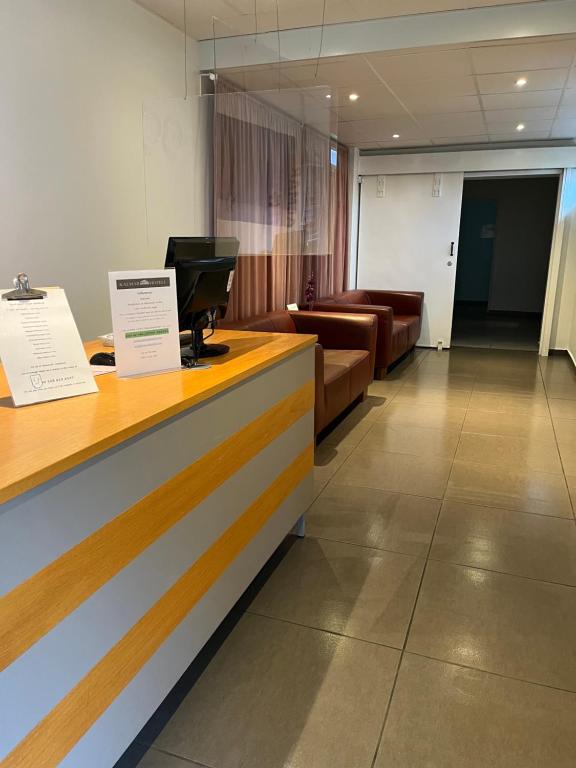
(193,348)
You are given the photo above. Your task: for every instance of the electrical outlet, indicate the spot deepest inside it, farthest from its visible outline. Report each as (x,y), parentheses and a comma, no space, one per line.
(381,186)
(439,345)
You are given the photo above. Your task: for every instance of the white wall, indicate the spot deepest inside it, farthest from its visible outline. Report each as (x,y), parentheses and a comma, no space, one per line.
(548,158)
(74,182)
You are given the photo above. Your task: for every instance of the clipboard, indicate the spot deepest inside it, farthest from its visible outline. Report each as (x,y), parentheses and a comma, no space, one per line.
(41,350)
(22,290)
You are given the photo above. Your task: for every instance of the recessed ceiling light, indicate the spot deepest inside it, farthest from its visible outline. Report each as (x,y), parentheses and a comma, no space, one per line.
(395,135)
(521,82)
(328,95)
(520,127)
(353,97)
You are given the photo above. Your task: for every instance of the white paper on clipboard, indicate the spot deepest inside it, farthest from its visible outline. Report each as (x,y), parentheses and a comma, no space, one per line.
(41,350)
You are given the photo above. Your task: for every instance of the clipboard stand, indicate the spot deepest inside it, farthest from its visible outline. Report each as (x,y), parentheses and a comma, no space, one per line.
(22,290)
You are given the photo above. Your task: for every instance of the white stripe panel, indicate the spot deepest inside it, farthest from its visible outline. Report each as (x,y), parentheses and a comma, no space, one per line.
(113,733)
(42,524)
(41,677)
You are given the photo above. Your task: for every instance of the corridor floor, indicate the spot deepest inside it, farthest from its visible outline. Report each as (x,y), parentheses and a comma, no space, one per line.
(428,619)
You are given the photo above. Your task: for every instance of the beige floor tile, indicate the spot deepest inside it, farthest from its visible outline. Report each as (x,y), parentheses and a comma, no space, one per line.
(521,386)
(418,475)
(282,696)
(155,759)
(327,460)
(519,405)
(571,481)
(522,490)
(384,388)
(363,593)
(504,624)
(562,409)
(373,518)
(568,456)
(420,396)
(445,716)
(426,380)
(513,452)
(417,441)
(432,416)
(489,423)
(562,390)
(511,542)
(373,406)
(350,431)
(565,430)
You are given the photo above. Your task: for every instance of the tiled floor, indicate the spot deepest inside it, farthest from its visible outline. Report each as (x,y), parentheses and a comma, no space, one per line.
(428,619)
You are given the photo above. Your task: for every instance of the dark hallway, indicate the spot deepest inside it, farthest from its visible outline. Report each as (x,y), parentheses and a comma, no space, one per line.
(503,254)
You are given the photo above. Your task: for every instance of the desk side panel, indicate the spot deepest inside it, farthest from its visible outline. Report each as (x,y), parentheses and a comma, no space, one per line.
(38,687)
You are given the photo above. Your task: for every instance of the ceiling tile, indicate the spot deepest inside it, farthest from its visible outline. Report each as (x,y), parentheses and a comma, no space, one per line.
(460,86)
(569,98)
(519,115)
(416,67)
(528,136)
(474,139)
(375,97)
(379,9)
(470,123)
(564,129)
(538,80)
(529,127)
(510,58)
(566,113)
(521,100)
(383,128)
(435,104)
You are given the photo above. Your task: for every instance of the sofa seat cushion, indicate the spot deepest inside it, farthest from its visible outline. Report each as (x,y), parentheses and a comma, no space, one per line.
(345,365)
(412,322)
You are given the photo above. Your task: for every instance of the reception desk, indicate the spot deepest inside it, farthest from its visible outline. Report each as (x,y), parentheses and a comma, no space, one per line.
(130,523)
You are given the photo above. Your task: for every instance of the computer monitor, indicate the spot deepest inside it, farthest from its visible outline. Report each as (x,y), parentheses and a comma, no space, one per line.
(204,272)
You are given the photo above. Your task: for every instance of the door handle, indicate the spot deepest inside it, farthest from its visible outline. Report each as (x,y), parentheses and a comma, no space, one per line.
(452,248)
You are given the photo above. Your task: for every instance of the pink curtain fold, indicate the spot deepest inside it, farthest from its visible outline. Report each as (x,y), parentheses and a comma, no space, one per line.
(277,192)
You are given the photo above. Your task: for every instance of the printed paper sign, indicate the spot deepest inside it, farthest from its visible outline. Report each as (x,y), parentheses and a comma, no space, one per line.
(41,349)
(145,321)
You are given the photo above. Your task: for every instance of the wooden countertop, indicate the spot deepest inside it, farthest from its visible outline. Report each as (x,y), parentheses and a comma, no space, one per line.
(39,442)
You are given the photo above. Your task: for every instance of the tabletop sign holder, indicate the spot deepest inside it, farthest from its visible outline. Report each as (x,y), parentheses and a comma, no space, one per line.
(41,350)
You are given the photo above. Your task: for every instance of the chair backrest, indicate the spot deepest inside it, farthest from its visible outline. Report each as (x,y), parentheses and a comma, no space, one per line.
(271,322)
(347,297)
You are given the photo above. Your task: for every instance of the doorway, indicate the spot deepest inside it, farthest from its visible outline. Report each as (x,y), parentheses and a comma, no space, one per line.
(506,231)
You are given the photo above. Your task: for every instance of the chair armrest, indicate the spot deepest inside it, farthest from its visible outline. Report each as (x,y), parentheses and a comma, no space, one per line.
(402,302)
(337,330)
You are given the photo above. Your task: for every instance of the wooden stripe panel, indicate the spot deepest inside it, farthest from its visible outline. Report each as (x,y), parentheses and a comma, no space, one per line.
(42,525)
(38,604)
(35,682)
(109,736)
(56,735)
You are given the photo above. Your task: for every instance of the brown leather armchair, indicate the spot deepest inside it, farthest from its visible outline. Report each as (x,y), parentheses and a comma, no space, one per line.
(345,354)
(399,316)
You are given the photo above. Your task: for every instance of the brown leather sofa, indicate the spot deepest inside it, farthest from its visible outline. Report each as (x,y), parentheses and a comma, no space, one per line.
(345,354)
(399,316)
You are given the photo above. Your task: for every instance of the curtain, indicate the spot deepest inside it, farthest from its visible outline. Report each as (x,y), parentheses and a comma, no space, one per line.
(274,189)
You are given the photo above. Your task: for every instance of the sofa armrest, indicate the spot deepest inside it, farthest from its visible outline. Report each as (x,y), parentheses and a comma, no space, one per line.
(385,316)
(402,302)
(338,330)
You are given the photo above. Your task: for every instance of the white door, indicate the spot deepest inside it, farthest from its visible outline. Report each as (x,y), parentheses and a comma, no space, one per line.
(408,241)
